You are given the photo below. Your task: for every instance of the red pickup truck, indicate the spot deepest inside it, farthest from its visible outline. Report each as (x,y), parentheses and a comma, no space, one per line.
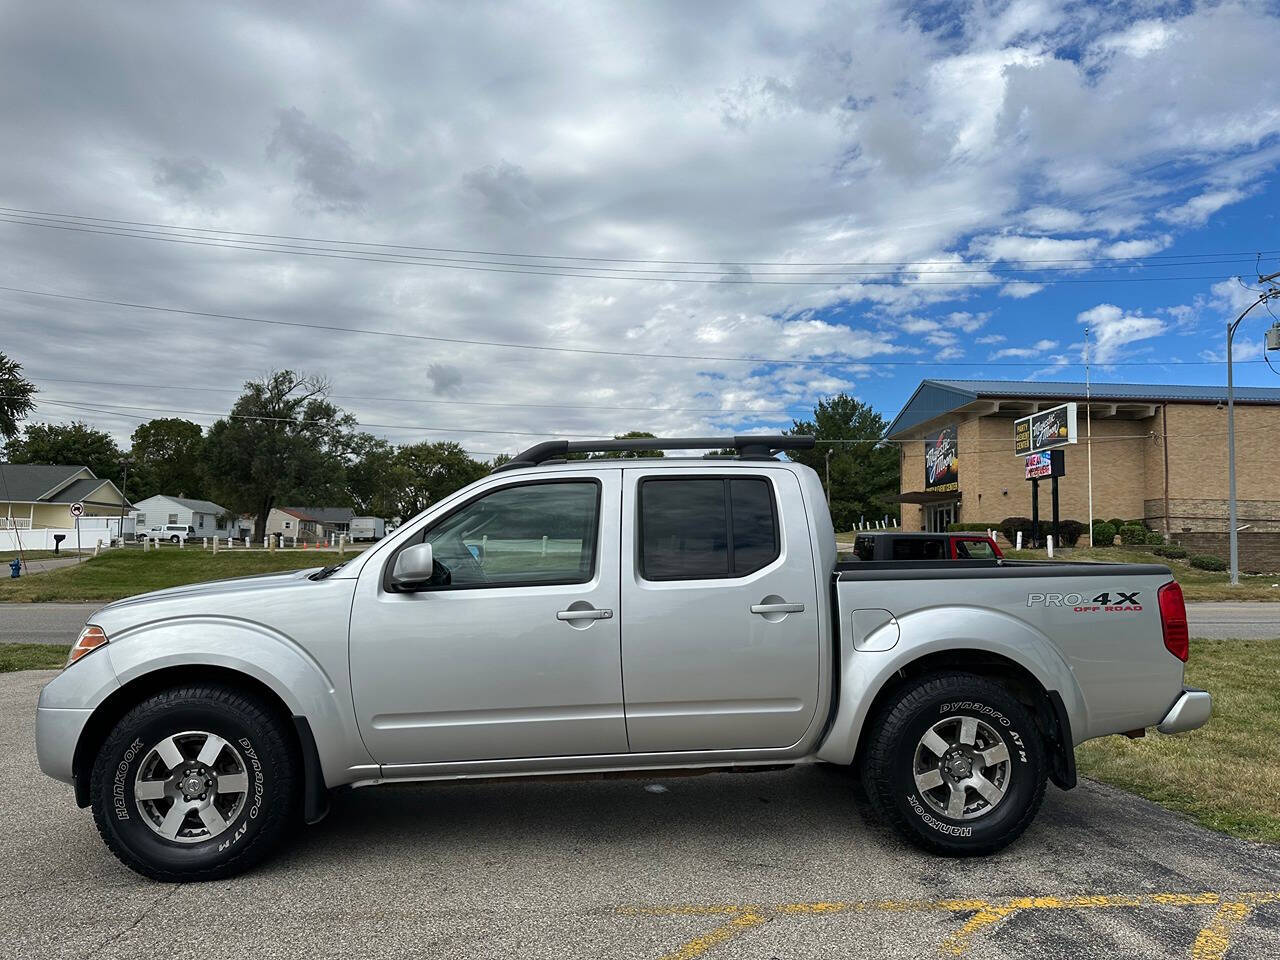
(897,545)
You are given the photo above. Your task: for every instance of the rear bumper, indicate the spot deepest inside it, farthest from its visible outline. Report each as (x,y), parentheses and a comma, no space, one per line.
(1189,711)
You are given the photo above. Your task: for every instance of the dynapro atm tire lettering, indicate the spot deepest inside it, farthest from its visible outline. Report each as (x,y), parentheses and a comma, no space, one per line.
(1108,601)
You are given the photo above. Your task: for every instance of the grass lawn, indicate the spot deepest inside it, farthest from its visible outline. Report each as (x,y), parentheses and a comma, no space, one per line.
(32,656)
(1196,584)
(1224,774)
(123,573)
(8,555)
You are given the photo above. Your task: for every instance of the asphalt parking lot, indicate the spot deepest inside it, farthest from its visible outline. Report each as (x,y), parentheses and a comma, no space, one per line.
(774,865)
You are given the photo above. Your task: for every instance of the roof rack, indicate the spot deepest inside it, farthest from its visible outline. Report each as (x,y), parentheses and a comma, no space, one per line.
(761,446)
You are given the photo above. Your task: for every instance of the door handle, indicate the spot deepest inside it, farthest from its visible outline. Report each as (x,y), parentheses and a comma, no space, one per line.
(584,614)
(763,608)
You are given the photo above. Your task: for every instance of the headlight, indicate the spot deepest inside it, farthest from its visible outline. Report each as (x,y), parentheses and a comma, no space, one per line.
(90,639)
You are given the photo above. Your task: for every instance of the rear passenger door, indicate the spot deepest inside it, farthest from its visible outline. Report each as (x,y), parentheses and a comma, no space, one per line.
(720,645)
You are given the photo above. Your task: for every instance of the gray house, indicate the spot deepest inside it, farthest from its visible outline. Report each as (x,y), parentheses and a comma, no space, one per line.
(208,519)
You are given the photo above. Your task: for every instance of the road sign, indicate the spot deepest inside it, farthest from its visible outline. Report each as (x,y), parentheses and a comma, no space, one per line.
(1050,463)
(1045,430)
(77,510)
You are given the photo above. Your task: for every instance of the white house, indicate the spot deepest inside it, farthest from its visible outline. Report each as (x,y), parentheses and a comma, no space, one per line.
(207,519)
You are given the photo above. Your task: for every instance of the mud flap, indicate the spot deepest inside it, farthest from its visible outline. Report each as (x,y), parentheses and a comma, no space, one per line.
(315,796)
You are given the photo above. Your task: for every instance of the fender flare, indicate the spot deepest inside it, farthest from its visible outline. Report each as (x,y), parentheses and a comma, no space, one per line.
(949,629)
(272,659)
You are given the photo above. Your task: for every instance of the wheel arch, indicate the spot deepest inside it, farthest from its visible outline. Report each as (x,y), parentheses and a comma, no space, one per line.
(109,712)
(1021,659)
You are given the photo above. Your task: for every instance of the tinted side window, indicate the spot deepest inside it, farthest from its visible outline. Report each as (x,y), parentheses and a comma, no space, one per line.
(864,548)
(755,528)
(697,529)
(919,548)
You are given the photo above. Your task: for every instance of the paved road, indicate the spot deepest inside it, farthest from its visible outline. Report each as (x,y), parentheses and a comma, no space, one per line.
(43,622)
(1257,620)
(770,865)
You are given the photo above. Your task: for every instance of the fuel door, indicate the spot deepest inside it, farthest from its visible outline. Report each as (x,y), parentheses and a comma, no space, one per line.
(874,629)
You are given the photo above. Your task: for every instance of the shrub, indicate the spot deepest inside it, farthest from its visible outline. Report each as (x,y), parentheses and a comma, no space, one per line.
(1010,526)
(1104,533)
(1207,562)
(1154,536)
(1173,553)
(1071,531)
(1131,533)
(1116,522)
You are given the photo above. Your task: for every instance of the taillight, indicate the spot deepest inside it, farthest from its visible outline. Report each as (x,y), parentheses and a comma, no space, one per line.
(1173,620)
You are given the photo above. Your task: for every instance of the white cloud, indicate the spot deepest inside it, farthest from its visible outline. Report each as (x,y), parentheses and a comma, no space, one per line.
(990,339)
(1020,289)
(1113,330)
(1197,211)
(1037,348)
(1129,249)
(1016,248)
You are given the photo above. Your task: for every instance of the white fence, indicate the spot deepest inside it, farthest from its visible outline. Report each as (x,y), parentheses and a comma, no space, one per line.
(92,529)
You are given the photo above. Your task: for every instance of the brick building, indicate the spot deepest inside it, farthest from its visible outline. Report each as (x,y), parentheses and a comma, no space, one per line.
(1159,453)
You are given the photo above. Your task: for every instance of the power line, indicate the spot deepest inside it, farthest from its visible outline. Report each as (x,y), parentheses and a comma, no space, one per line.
(731,263)
(107,407)
(471,403)
(538,271)
(904,268)
(396,334)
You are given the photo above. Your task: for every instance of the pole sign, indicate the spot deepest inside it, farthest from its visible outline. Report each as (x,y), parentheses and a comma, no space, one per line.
(941,460)
(1045,430)
(1049,463)
(77,510)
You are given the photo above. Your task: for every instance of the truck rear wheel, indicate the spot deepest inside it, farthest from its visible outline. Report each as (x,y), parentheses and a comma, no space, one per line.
(195,783)
(955,763)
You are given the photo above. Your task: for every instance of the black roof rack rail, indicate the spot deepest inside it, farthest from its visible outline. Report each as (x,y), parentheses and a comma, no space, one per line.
(761,446)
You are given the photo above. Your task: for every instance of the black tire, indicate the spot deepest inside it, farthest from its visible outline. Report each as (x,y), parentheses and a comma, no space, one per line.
(262,743)
(889,764)
(175,539)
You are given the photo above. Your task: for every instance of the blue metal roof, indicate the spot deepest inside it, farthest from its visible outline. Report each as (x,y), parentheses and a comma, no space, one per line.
(933,398)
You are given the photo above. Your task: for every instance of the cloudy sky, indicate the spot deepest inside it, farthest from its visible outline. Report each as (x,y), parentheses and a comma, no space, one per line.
(703,216)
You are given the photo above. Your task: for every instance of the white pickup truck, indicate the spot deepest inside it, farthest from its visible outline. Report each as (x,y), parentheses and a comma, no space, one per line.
(569,616)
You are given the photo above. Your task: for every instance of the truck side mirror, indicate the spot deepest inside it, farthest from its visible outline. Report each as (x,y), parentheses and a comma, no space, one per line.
(413,566)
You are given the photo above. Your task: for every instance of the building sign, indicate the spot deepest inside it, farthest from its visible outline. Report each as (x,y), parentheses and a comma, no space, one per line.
(1045,430)
(1049,463)
(941,465)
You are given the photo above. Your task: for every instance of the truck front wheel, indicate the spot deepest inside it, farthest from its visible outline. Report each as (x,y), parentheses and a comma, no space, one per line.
(954,762)
(196,783)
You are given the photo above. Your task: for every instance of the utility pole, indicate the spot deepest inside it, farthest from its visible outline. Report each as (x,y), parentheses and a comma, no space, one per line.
(1231,422)
(1088,432)
(830,450)
(124,498)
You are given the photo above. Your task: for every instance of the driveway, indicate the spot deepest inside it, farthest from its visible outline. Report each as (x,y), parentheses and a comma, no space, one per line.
(769,865)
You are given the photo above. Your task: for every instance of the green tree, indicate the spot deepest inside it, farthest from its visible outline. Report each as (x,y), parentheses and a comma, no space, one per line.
(69,444)
(168,458)
(16,397)
(864,471)
(376,477)
(283,442)
(432,471)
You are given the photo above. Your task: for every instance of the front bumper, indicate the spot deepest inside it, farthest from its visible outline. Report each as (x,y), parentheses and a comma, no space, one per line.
(66,704)
(1190,711)
(57,733)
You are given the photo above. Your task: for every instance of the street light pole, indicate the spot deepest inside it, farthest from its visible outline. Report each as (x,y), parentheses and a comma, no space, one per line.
(1231,431)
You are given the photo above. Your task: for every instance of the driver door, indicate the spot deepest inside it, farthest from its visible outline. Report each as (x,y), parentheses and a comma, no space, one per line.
(512,649)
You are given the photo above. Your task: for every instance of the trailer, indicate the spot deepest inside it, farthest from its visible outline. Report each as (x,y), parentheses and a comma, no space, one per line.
(367,528)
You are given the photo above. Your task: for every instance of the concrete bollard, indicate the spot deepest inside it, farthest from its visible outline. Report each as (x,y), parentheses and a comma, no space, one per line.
(97,547)
(342,545)
(182,542)
(1048,542)
(293,542)
(246,543)
(204,543)
(215,544)
(544,544)
(1019,541)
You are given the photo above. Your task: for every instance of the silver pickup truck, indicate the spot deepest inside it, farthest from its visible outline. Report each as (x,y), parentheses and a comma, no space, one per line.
(566,616)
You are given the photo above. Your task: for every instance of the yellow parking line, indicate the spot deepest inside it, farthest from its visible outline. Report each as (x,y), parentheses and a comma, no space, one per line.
(1211,943)
(696,947)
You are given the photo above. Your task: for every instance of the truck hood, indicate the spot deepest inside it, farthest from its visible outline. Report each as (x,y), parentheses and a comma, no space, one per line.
(226,597)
